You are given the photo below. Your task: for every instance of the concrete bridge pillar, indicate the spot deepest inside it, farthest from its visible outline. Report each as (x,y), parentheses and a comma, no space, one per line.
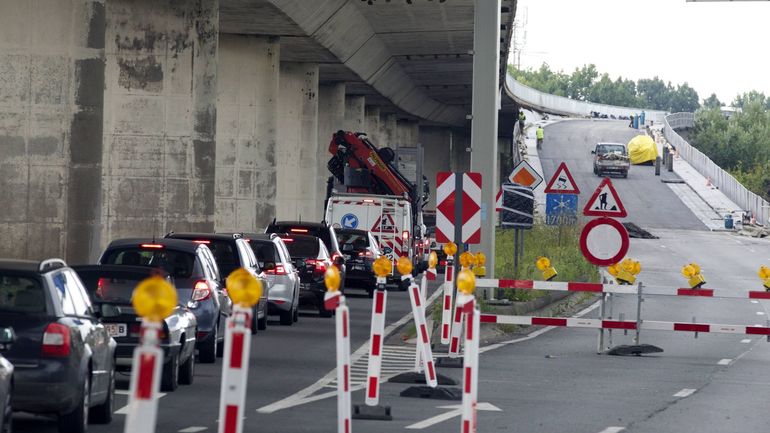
(407,133)
(247,117)
(355,113)
(372,124)
(296,149)
(51,99)
(160,117)
(331,118)
(388,130)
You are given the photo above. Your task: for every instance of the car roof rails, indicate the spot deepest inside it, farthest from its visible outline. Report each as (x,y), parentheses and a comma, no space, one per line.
(51,264)
(237,235)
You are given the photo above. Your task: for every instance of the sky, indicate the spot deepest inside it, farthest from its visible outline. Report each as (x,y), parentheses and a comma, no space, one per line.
(719,47)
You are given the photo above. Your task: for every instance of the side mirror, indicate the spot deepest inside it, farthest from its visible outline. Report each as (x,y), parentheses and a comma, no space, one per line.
(7,337)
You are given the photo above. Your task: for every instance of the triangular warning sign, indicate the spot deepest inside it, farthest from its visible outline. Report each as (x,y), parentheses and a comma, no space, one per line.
(562,182)
(605,202)
(389,226)
(499,200)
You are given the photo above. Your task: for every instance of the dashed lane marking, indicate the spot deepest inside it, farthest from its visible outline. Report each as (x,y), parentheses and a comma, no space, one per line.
(746,341)
(725,361)
(613,430)
(685,393)
(192,429)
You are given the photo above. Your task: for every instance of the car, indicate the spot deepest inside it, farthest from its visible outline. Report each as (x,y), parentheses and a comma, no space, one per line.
(63,357)
(7,338)
(231,252)
(196,279)
(110,288)
(274,258)
(611,158)
(320,230)
(311,258)
(360,250)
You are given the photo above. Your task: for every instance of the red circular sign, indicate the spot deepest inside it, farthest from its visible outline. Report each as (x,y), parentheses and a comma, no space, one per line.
(624,242)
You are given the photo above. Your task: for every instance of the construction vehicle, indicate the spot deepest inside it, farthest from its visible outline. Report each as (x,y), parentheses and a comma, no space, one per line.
(376,197)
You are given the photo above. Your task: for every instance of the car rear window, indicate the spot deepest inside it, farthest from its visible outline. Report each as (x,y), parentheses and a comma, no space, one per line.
(301,248)
(21,294)
(265,251)
(617,149)
(110,287)
(177,263)
(353,241)
(319,232)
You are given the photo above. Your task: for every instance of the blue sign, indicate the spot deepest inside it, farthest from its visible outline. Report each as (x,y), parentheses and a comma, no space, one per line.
(561,209)
(349,221)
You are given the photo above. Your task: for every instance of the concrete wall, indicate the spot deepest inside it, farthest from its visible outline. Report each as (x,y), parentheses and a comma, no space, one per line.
(246,132)
(354,114)
(51,84)
(407,133)
(388,128)
(372,124)
(160,117)
(331,116)
(435,141)
(296,150)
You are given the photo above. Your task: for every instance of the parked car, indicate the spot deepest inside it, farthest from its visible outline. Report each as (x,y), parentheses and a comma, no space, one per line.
(111,288)
(231,252)
(611,158)
(7,338)
(63,357)
(196,278)
(275,260)
(312,259)
(320,230)
(360,250)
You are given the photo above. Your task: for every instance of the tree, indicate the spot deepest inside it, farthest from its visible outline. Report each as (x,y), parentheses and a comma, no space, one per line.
(581,81)
(712,102)
(685,98)
(746,98)
(654,93)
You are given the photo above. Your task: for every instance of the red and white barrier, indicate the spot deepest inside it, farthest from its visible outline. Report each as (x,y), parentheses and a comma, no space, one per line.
(446,313)
(579,322)
(379,304)
(336,301)
(145,382)
(467,303)
(456,334)
(431,274)
(235,371)
(618,289)
(423,338)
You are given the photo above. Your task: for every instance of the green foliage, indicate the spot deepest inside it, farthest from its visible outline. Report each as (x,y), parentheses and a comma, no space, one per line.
(587,84)
(744,100)
(712,102)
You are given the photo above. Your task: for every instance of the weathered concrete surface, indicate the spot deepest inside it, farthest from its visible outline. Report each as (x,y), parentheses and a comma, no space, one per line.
(407,133)
(435,141)
(388,130)
(51,81)
(160,117)
(372,123)
(331,117)
(247,82)
(296,150)
(355,113)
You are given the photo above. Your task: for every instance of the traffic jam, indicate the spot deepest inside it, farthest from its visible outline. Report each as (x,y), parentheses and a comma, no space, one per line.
(153,307)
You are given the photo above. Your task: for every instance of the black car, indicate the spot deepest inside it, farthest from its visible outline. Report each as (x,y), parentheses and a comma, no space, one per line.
(320,230)
(63,357)
(311,258)
(110,288)
(7,338)
(196,278)
(231,252)
(360,250)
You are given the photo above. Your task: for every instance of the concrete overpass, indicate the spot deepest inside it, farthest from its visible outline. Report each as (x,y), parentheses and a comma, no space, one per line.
(127,117)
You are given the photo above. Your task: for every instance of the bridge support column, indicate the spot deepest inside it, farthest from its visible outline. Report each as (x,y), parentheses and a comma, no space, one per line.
(408,133)
(486,61)
(388,128)
(435,140)
(372,124)
(331,118)
(247,113)
(354,113)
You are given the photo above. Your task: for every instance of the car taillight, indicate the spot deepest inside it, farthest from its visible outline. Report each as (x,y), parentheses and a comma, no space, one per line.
(298,230)
(442,262)
(335,256)
(366,253)
(320,266)
(100,285)
(279,270)
(202,242)
(287,239)
(201,291)
(152,246)
(405,235)
(56,341)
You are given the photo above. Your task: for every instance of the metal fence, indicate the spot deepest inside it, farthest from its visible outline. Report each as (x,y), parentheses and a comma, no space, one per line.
(723,180)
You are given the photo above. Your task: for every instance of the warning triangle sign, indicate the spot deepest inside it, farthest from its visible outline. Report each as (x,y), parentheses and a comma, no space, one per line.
(562,182)
(387,226)
(605,202)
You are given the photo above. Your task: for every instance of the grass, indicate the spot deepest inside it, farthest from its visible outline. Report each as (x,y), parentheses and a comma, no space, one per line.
(560,244)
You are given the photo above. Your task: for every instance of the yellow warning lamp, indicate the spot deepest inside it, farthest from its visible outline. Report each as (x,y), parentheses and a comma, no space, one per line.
(432,260)
(332,279)
(544,265)
(764,274)
(382,266)
(404,266)
(450,249)
(243,288)
(466,282)
(154,299)
(480,269)
(692,273)
(467,259)
(626,271)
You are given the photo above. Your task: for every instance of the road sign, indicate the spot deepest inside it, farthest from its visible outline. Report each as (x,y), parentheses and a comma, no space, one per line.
(562,182)
(524,174)
(518,203)
(349,221)
(469,190)
(605,202)
(499,200)
(561,209)
(608,243)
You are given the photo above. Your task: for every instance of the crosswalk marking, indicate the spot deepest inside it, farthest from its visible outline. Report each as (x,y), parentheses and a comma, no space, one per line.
(395,360)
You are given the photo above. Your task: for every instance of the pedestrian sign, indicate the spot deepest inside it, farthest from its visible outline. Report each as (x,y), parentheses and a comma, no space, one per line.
(562,182)
(561,209)
(524,175)
(605,202)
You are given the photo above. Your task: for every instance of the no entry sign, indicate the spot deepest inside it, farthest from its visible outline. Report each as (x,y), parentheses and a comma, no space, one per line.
(604,241)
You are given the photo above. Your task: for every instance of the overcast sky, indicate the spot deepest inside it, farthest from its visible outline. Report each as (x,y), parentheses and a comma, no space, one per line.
(720,47)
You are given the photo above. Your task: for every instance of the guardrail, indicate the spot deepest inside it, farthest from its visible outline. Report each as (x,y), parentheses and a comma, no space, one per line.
(723,180)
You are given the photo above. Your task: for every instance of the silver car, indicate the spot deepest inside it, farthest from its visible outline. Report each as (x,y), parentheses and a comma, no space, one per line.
(274,259)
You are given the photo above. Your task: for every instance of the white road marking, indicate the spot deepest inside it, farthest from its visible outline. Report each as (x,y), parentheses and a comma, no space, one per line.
(124,410)
(754,301)
(122,392)
(456,410)
(192,429)
(746,341)
(760,313)
(613,430)
(685,393)
(725,361)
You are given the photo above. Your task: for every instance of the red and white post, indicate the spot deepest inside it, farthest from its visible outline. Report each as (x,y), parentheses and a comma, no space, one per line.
(423,295)
(376,342)
(425,354)
(456,334)
(235,371)
(145,382)
(336,301)
(470,362)
(446,314)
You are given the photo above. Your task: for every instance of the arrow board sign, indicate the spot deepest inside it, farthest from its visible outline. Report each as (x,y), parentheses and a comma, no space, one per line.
(562,182)
(524,175)
(605,202)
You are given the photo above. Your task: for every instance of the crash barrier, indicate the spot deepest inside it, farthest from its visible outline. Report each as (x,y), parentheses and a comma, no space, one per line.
(335,300)
(424,354)
(720,178)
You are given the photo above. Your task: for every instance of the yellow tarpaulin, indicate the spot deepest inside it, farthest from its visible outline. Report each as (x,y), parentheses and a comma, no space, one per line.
(642,149)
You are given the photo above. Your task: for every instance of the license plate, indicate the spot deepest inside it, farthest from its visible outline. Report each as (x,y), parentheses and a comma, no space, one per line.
(359,268)
(116,329)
